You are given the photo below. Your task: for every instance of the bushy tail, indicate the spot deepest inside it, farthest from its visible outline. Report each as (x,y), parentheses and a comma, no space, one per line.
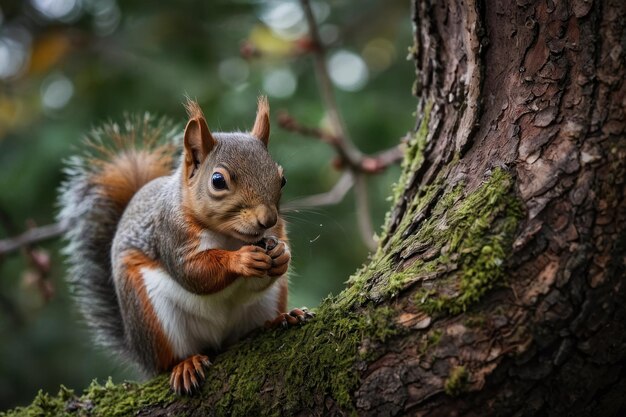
(99,185)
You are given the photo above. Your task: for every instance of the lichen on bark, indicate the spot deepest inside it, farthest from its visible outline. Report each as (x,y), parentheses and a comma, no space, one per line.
(474,235)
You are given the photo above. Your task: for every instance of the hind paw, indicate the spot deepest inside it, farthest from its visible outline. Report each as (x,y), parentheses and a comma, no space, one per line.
(294,317)
(188,376)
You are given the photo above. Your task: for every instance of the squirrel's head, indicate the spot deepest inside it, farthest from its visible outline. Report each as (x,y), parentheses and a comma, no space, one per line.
(231,183)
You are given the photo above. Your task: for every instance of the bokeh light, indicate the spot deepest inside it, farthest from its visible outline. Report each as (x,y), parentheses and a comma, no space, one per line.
(106,15)
(65,10)
(379,54)
(347,70)
(234,71)
(56,92)
(329,33)
(280,82)
(14,51)
(286,19)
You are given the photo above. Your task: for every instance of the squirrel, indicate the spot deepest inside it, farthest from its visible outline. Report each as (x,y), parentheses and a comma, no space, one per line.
(168,263)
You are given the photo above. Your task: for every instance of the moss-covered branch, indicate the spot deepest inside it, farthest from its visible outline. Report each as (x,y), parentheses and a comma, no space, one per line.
(279,372)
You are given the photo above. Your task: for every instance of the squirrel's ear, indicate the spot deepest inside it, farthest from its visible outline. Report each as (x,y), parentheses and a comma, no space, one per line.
(197,138)
(261,129)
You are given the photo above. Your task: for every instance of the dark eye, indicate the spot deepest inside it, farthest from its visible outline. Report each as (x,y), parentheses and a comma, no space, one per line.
(218,181)
(283,181)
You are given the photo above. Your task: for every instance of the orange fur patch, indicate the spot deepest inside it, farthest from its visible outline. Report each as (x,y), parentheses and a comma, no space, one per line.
(192,226)
(209,271)
(126,172)
(134,261)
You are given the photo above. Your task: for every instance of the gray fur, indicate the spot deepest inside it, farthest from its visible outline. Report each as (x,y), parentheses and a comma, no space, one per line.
(91,223)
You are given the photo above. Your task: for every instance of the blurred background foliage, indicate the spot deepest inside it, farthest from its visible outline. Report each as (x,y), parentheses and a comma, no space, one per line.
(66,65)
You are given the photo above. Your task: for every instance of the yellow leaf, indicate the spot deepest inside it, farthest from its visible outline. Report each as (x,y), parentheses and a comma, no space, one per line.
(47,51)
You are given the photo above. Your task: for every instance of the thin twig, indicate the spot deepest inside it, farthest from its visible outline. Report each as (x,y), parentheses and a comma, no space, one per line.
(349,154)
(288,122)
(31,236)
(378,162)
(368,164)
(39,272)
(334,196)
(326,87)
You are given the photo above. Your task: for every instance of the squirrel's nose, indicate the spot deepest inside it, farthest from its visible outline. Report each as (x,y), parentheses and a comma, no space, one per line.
(266,217)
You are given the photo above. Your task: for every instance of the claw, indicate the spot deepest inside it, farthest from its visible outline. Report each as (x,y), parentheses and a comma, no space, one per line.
(307,313)
(296,316)
(187,377)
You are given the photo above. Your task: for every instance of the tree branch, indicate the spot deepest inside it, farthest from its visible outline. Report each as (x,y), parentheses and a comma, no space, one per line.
(334,196)
(326,88)
(31,236)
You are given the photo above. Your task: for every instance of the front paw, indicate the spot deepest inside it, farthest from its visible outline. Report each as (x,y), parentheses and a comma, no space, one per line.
(252,261)
(280,256)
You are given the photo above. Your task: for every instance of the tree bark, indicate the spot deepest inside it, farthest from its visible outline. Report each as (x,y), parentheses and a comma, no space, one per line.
(498,285)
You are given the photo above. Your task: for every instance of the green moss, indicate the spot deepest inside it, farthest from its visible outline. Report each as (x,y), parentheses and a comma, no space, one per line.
(432,339)
(475,321)
(462,241)
(297,365)
(99,400)
(478,236)
(457,382)
(358,291)
(316,359)
(43,405)
(414,155)
(126,398)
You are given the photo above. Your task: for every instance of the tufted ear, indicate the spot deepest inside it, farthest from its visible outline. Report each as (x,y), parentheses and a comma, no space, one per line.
(261,129)
(197,138)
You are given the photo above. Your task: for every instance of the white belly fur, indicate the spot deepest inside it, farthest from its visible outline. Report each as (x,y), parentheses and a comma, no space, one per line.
(195,322)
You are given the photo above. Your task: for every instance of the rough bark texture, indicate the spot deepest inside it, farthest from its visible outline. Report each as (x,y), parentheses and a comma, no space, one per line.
(498,286)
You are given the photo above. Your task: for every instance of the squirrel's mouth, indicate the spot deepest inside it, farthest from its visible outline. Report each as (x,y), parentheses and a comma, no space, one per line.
(246,236)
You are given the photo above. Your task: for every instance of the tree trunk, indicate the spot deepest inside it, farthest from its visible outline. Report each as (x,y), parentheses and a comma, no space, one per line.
(498,285)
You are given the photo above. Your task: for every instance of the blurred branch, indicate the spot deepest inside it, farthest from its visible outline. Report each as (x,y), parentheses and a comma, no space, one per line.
(287,122)
(367,164)
(352,154)
(31,236)
(376,163)
(334,196)
(38,272)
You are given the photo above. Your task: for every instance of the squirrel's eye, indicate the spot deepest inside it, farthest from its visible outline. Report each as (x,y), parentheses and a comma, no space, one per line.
(218,181)
(283,181)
